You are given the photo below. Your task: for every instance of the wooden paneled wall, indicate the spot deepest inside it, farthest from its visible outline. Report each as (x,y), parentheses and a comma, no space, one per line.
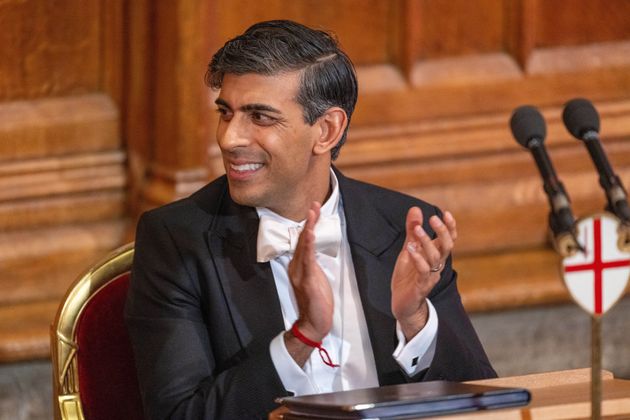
(103,113)
(438,82)
(63,170)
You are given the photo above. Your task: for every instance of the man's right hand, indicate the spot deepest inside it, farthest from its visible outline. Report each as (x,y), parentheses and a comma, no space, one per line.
(312,292)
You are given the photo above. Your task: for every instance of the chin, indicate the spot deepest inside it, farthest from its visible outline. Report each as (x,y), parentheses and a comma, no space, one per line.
(245,199)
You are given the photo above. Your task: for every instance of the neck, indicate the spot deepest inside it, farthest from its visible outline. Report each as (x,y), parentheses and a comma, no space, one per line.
(320,192)
(300,211)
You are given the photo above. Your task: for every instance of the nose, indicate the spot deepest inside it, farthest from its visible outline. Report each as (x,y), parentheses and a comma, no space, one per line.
(232,134)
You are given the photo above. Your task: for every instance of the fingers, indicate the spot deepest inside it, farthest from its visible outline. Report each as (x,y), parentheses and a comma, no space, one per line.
(310,285)
(414,218)
(444,241)
(417,258)
(450,224)
(430,251)
(305,249)
(313,216)
(427,253)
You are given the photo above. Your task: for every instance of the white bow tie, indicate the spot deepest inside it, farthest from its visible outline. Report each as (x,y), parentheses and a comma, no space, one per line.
(276,239)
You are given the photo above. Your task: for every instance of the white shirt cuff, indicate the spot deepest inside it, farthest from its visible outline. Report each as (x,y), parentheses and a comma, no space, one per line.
(417,354)
(291,374)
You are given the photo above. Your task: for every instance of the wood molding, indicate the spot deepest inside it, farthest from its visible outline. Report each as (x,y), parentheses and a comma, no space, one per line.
(455,100)
(39,264)
(58,126)
(79,208)
(517,279)
(164,185)
(49,183)
(479,68)
(503,215)
(441,138)
(569,59)
(53,190)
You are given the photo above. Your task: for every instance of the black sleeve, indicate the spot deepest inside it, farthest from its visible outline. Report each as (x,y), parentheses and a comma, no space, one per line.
(178,373)
(459,355)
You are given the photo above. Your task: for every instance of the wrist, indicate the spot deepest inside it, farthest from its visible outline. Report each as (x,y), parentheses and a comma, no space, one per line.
(295,331)
(414,323)
(299,351)
(308,330)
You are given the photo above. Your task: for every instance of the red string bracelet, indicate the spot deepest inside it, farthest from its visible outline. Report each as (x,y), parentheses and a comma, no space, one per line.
(322,351)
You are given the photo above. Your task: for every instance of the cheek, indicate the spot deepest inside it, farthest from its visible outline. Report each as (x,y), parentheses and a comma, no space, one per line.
(288,147)
(275,144)
(302,142)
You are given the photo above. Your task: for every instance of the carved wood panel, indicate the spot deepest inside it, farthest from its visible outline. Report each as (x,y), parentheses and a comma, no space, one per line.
(62,160)
(49,48)
(578,22)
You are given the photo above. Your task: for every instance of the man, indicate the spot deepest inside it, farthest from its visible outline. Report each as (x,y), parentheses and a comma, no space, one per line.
(284,277)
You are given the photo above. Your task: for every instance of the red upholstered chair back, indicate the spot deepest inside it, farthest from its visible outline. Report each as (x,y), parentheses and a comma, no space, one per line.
(93,365)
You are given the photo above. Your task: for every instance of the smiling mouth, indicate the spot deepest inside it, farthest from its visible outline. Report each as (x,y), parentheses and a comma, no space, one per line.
(247,167)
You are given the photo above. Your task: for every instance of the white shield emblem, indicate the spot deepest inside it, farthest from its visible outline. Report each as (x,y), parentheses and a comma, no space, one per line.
(597,278)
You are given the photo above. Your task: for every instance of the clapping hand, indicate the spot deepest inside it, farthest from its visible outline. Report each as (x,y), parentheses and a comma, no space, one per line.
(418,268)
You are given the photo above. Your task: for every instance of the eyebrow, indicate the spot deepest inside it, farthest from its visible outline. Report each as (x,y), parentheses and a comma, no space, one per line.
(249,107)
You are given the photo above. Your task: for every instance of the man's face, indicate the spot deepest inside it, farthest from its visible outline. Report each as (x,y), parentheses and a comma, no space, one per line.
(267,147)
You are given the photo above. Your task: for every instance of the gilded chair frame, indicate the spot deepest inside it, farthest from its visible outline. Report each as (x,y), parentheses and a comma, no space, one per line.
(66,398)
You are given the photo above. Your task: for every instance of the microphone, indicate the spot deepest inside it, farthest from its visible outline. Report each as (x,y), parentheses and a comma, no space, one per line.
(529,129)
(582,120)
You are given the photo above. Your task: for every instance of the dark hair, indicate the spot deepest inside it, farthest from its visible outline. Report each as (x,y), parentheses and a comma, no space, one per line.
(276,46)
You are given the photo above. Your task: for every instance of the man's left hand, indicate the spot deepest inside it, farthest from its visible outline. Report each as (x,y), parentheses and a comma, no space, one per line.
(418,268)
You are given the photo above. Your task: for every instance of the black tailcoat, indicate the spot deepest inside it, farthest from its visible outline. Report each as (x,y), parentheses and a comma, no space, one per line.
(201,311)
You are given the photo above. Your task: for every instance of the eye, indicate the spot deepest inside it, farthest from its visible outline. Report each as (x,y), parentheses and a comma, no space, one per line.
(262,119)
(224,113)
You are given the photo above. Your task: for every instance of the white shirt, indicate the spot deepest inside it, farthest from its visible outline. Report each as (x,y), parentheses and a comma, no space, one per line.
(348,342)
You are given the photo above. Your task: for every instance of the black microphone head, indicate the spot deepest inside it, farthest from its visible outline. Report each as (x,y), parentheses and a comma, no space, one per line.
(580,116)
(527,123)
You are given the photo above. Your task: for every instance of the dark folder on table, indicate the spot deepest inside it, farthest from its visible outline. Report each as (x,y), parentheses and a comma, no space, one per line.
(405,401)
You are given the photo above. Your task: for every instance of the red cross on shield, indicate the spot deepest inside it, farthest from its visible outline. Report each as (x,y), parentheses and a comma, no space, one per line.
(597,278)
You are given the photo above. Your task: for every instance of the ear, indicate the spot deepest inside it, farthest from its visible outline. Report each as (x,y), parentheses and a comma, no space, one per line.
(331,127)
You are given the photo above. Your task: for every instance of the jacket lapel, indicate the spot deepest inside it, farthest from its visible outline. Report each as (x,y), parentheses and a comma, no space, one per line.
(375,243)
(248,286)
